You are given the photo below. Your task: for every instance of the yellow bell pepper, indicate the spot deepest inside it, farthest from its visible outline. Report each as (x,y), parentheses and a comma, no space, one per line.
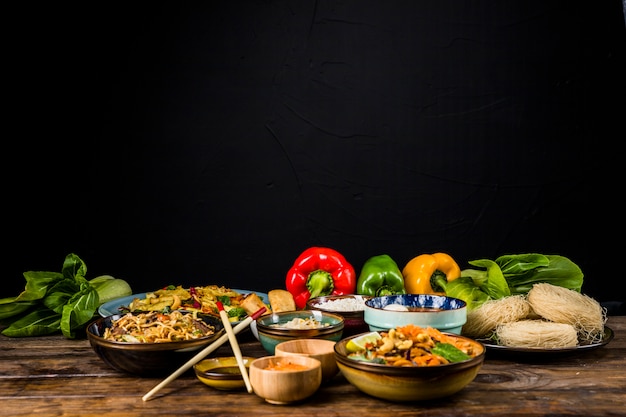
(423,274)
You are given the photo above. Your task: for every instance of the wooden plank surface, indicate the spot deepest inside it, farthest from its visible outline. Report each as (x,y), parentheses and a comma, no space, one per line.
(53,376)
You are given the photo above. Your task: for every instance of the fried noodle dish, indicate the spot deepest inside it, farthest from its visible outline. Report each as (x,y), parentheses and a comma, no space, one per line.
(196,299)
(156,327)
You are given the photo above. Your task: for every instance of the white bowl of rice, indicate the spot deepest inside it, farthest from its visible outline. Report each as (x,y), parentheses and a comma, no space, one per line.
(351,307)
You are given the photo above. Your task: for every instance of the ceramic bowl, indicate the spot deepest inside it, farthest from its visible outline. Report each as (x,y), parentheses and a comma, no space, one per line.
(409,383)
(222,373)
(320,349)
(147,359)
(444,313)
(285,379)
(272,328)
(351,307)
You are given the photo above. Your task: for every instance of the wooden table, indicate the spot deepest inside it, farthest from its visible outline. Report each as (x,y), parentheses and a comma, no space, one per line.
(53,376)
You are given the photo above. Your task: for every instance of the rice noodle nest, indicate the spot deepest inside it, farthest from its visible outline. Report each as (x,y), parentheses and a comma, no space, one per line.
(484,319)
(537,334)
(562,305)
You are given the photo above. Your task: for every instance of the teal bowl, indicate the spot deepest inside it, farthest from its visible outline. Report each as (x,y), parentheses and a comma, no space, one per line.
(426,310)
(276,328)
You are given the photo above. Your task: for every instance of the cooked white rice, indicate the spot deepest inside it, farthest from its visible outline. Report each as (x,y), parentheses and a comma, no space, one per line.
(343,304)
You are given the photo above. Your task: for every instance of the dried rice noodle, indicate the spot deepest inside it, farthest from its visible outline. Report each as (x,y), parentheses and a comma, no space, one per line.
(537,334)
(562,305)
(483,320)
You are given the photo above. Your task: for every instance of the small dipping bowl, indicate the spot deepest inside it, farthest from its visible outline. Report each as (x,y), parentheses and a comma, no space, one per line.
(285,379)
(320,349)
(222,373)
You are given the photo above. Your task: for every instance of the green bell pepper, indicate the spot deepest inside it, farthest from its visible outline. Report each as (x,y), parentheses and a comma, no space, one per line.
(380,276)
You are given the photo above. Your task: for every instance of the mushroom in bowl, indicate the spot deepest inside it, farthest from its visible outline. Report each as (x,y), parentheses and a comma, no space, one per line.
(409,363)
(152,343)
(444,313)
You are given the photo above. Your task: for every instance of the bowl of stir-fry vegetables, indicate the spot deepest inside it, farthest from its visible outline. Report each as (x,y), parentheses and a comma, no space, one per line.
(152,343)
(409,363)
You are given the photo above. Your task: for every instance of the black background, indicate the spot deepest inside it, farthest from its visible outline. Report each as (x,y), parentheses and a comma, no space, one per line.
(214,142)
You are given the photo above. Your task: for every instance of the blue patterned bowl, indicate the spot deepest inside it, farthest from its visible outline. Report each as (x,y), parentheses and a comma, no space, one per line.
(444,313)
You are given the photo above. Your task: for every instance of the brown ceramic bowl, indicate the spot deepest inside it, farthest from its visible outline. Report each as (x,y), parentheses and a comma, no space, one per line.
(285,379)
(320,349)
(409,383)
(350,307)
(147,359)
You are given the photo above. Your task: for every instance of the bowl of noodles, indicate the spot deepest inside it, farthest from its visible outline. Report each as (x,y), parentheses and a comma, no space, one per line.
(409,362)
(152,344)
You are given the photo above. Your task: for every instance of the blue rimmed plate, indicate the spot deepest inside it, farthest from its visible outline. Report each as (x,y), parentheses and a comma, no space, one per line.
(116,306)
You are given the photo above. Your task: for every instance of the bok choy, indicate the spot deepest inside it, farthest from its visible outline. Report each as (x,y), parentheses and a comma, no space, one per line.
(511,275)
(58,301)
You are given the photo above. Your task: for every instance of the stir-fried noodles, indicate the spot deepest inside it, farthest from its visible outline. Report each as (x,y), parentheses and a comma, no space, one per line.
(195,299)
(156,327)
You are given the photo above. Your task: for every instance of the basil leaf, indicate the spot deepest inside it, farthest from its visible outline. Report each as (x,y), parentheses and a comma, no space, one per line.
(449,352)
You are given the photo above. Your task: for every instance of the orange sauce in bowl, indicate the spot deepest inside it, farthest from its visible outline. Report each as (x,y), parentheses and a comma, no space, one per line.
(285,366)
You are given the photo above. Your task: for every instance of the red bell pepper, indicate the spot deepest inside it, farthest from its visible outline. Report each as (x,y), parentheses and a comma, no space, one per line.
(318,272)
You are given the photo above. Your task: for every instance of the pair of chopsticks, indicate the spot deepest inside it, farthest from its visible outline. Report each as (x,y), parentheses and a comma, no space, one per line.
(234,345)
(204,352)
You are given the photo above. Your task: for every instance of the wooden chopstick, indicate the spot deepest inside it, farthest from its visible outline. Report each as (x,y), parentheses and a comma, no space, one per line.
(234,345)
(191,362)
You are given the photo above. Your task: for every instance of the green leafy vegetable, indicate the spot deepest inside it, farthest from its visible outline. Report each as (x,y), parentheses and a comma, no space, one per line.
(53,301)
(449,352)
(224,299)
(554,269)
(512,275)
(110,288)
(237,312)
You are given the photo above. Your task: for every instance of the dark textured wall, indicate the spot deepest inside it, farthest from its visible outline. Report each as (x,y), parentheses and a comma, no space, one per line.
(212,144)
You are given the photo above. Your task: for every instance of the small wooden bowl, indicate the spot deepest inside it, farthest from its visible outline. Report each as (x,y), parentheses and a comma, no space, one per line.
(285,379)
(320,349)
